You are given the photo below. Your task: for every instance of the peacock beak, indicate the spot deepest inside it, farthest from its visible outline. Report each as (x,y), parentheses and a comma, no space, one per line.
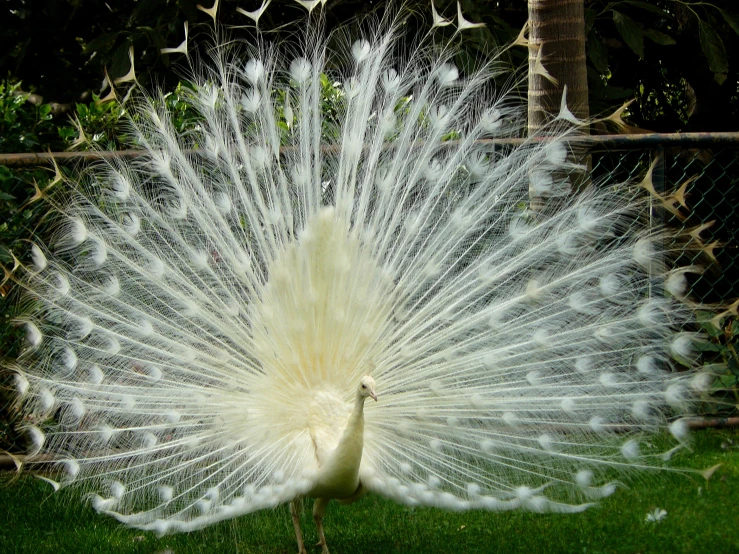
(373,395)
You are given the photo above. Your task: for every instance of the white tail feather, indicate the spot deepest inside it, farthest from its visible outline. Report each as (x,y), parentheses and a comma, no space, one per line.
(190,319)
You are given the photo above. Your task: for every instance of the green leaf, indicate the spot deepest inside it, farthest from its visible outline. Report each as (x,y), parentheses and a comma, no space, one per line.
(590,16)
(647,6)
(657,37)
(713,48)
(630,32)
(597,52)
(500,22)
(102,43)
(6,196)
(120,62)
(144,8)
(618,93)
(732,19)
(67,132)
(711,329)
(157,39)
(727,380)
(704,319)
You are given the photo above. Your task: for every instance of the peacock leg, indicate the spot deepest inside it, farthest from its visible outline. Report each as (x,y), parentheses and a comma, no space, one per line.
(295,509)
(318,509)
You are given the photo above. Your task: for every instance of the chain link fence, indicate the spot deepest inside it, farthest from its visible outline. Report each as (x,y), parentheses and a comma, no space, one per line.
(703,174)
(710,172)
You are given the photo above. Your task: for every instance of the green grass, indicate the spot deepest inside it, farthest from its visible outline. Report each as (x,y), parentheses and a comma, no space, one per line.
(701,517)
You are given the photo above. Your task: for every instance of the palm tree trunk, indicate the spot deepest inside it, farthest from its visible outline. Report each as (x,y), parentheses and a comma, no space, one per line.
(557,27)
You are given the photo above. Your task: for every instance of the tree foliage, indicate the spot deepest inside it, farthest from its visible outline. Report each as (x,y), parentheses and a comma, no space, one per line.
(671,55)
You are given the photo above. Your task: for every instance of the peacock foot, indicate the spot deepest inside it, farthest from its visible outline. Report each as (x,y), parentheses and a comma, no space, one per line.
(324,547)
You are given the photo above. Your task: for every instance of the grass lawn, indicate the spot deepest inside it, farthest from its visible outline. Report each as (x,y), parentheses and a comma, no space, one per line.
(701,517)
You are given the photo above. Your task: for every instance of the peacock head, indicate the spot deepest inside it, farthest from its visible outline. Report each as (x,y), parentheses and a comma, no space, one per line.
(367,388)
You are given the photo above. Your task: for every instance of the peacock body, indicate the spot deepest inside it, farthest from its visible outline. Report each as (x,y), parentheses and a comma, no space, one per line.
(211,317)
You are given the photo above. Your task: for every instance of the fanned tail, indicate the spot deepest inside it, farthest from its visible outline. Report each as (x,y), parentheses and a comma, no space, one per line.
(201,296)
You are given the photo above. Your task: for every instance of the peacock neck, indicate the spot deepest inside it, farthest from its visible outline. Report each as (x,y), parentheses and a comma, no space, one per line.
(355,425)
(352,439)
(339,475)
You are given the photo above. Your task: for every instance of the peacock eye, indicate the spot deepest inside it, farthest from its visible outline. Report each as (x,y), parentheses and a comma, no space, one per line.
(364,386)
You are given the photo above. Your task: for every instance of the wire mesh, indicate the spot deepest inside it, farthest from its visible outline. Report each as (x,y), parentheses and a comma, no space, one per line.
(711,197)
